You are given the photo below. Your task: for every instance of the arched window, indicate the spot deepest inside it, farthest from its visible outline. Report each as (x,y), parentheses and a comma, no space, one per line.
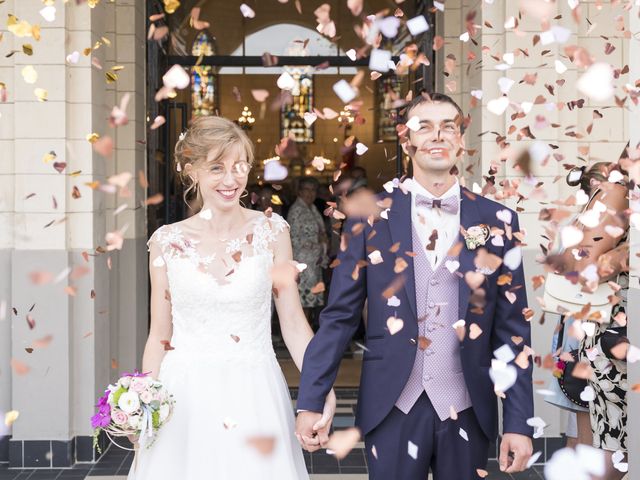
(292,113)
(203,77)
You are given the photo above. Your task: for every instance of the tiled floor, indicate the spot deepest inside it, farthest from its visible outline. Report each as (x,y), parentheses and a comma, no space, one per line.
(115,463)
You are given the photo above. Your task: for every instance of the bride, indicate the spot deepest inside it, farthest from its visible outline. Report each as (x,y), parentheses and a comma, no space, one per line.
(213,277)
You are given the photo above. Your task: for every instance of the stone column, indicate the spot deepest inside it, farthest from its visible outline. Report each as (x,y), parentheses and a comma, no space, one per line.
(89,307)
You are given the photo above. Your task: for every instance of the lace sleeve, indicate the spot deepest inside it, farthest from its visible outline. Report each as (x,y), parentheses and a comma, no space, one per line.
(267,230)
(160,238)
(278,224)
(157,237)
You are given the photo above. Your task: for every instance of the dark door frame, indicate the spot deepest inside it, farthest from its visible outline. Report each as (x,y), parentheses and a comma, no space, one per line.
(159,141)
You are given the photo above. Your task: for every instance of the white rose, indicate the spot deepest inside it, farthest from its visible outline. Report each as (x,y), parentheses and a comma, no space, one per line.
(134,421)
(146,396)
(164,411)
(129,402)
(125,382)
(476,231)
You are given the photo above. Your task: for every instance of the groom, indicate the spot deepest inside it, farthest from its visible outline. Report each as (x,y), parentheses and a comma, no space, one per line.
(440,302)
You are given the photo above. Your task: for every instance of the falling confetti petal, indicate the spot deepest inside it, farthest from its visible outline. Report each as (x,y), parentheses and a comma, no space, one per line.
(417,25)
(274,171)
(502,375)
(497,106)
(393,301)
(597,82)
(413,123)
(41,94)
(260,95)
(10,417)
(361,148)
(389,26)
(379,60)
(49,13)
(29,74)
(176,77)
(344,91)
(247,11)
(309,118)
(412,450)
(286,81)
(158,122)
(263,444)
(394,325)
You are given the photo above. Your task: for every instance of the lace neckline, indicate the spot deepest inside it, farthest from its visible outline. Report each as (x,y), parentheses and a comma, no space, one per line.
(175,245)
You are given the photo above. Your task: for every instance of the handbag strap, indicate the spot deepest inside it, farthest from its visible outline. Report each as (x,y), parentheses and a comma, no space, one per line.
(561,333)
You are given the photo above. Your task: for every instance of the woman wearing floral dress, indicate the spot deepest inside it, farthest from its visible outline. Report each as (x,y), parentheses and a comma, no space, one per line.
(309,242)
(603,256)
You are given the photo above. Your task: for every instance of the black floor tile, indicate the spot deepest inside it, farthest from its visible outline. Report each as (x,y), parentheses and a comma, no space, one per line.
(324,459)
(354,459)
(326,469)
(44,475)
(529,474)
(352,470)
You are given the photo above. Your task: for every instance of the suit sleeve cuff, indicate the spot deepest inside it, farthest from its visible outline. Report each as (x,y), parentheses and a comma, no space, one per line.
(309,406)
(521,429)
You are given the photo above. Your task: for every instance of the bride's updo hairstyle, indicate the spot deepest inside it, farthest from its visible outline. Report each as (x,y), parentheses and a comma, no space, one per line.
(208,137)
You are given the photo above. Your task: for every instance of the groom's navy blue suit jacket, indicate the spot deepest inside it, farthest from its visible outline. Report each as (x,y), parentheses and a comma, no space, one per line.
(388,359)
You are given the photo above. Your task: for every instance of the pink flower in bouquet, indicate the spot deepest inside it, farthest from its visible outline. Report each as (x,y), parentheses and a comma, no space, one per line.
(146,396)
(119,417)
(138,385)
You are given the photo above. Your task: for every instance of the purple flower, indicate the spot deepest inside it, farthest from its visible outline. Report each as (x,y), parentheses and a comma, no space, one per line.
(136,373)
(99,420)
(103,417)
(103,400)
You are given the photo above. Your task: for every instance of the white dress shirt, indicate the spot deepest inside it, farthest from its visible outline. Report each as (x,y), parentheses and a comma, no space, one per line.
(426,220)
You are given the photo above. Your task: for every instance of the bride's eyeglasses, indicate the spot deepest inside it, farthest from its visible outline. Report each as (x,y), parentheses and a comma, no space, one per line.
(238,170)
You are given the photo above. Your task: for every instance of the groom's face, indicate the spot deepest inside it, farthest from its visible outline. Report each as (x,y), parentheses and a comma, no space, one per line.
(438,143)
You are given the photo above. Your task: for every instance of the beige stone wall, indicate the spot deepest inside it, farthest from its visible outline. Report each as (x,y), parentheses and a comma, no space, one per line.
(87,334)
(605,141)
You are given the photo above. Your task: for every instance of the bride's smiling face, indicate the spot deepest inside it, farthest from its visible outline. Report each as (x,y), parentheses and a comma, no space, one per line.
(222,178)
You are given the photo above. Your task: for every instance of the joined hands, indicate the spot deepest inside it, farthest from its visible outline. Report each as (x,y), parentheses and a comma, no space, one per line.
(312,428)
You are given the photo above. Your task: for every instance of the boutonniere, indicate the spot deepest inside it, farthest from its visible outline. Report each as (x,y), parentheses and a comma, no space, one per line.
(476,236)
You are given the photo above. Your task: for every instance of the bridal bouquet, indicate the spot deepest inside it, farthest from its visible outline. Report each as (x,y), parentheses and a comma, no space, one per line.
(135,405)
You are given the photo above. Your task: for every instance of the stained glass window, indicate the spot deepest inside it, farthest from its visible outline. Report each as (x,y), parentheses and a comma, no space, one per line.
(203,77)
(388,91)
(292,113)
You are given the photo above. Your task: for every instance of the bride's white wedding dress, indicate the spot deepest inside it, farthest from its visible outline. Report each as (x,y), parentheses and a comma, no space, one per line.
(233,417)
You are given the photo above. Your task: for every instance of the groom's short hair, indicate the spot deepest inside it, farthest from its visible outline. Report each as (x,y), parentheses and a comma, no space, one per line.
(425,96)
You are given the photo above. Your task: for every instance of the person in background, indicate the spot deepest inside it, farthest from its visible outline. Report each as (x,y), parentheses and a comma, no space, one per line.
(310,243)
(605,350)
(578,427)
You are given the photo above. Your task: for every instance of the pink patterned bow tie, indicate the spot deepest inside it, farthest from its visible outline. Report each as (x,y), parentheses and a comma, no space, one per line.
(449,204)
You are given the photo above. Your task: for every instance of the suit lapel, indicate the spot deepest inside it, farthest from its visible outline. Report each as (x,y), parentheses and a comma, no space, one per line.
(469,216)
(400,227)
